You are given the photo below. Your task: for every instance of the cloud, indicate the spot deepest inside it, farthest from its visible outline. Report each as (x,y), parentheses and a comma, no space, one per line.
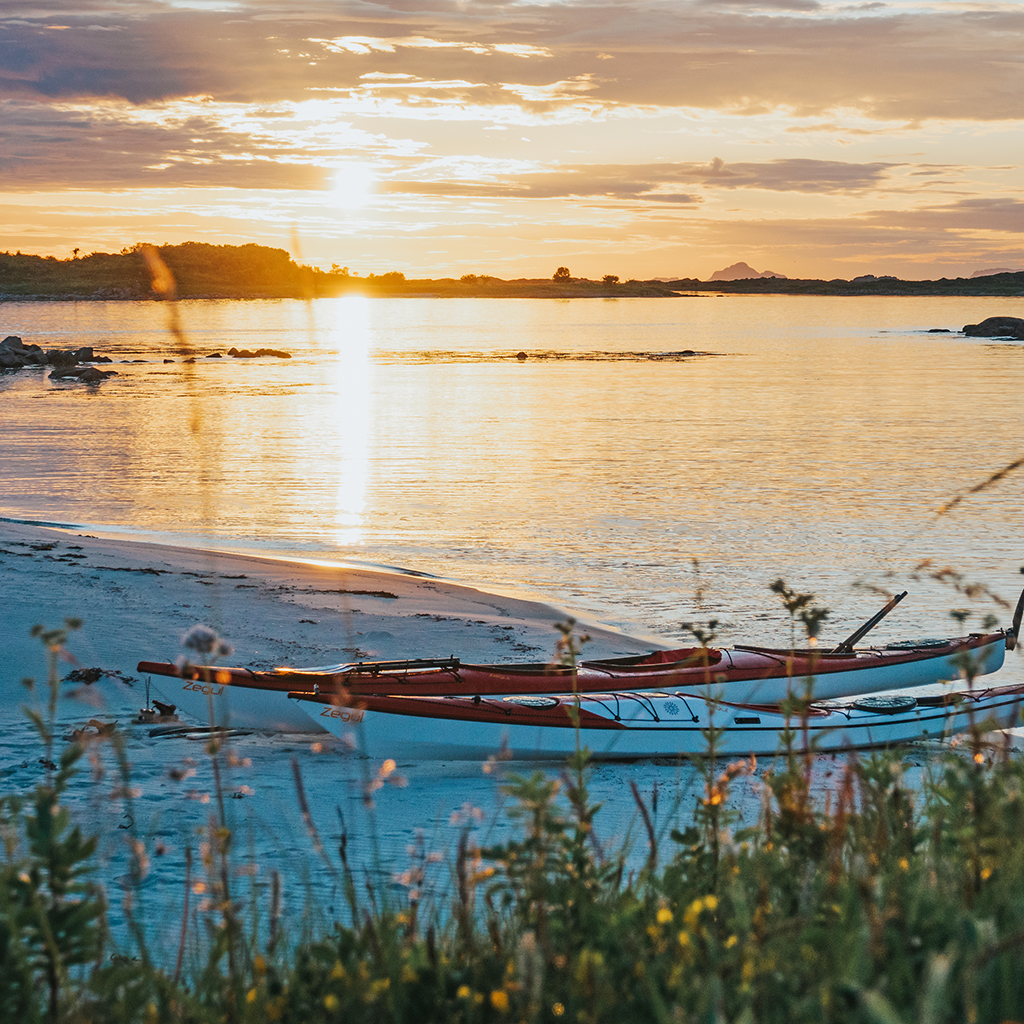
(115,145)
(894,63)
(659,182)
(295,146)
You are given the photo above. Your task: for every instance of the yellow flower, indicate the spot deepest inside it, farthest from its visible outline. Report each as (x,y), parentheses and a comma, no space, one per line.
(664,915)
(684,938)
(463,992)
(499,1000)
(338,971)
(904,863)
(250,996)
(731,941)
(331,1002)
(711,902)
(558,1009)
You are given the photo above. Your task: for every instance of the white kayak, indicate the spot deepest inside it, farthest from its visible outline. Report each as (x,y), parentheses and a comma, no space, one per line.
(637,724)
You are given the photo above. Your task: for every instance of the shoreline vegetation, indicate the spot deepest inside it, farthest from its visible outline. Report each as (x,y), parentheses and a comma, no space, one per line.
(883,901)
(204,271)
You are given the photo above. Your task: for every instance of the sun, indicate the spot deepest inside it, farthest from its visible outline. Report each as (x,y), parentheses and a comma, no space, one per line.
(352,185)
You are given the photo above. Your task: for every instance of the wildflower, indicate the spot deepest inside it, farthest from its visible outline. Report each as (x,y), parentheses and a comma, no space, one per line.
(684,939)
(330,1002)
(664,915)
(463,992)
(904,864)
(205,641)
(558,1009)
(338,971)
(731,941)
(250,996)
(499,1000)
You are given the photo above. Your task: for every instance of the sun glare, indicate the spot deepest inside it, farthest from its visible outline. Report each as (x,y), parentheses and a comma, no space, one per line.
(352,186)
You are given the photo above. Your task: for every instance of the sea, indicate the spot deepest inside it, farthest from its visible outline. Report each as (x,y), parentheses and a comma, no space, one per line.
(641,462)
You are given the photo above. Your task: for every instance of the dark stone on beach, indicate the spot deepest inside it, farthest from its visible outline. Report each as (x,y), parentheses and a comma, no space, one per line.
(85,355)
(214,355)
(168,360)
(997,327)
(521,356)
(939,330)
(102,359)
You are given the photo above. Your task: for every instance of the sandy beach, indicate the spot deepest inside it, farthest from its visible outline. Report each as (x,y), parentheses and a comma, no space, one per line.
(137,600)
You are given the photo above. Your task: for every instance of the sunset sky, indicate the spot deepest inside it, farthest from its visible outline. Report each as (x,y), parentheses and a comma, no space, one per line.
(443,137)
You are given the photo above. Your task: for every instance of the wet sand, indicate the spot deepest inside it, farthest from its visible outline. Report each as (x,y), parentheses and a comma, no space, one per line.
(137,600)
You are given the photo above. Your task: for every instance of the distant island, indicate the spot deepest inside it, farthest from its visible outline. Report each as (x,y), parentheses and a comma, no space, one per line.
(201,270)
(741,272)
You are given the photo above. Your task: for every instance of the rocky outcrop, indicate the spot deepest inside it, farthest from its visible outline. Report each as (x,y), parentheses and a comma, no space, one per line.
(997,327)
(16,355)
(244,353)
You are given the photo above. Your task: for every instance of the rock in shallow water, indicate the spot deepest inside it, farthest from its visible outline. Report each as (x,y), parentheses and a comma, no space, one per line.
(997,327)
(83,374)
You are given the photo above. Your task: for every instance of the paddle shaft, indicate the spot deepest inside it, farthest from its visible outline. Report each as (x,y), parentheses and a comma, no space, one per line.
(847,645)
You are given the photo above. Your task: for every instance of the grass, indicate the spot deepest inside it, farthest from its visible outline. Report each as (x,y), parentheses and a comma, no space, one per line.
(881,902)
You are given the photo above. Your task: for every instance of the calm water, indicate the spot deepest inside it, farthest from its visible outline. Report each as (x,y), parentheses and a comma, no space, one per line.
(816,443)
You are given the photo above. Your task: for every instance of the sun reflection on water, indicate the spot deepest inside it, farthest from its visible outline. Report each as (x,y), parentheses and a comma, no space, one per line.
(349,339)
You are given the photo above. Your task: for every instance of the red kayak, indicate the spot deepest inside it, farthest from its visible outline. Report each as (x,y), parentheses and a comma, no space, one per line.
(245,698)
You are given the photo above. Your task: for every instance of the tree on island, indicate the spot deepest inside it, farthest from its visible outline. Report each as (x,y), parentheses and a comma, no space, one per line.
(561,274)
(610,279)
